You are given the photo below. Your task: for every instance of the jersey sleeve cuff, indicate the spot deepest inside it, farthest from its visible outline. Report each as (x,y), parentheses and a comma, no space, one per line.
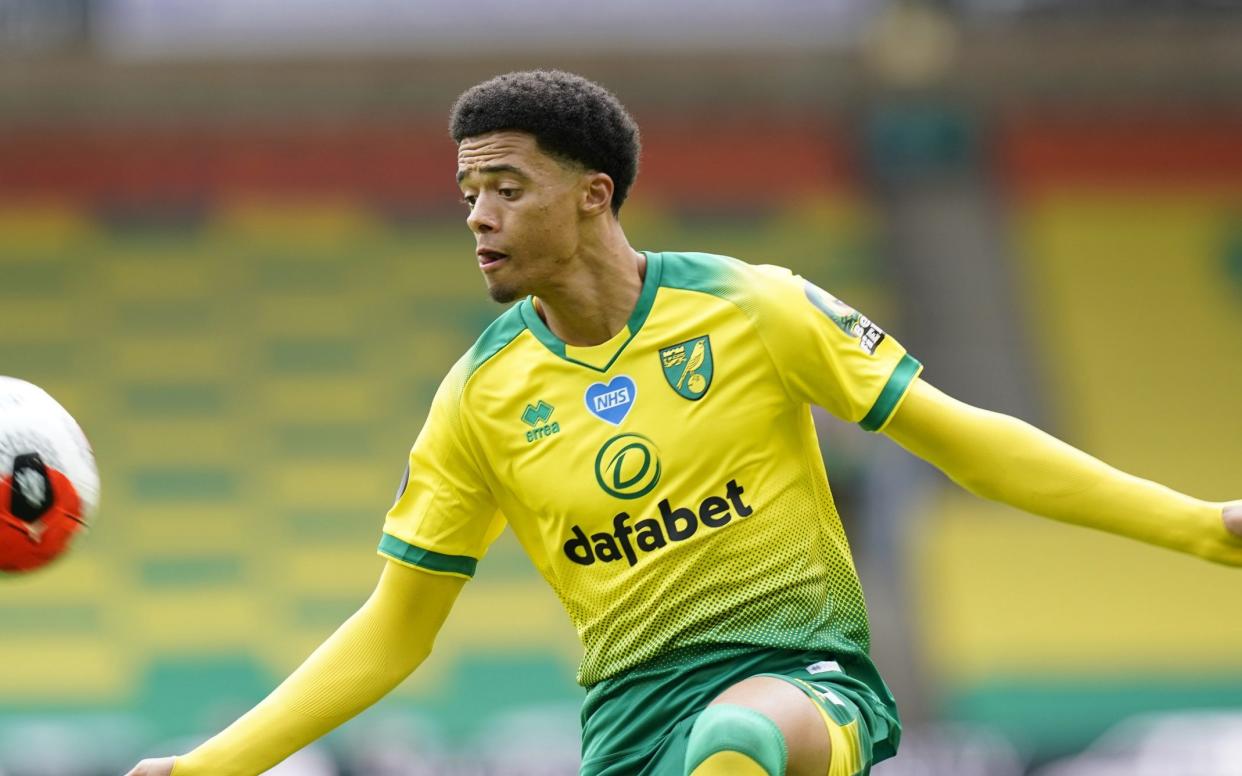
(428,560)
(894,391)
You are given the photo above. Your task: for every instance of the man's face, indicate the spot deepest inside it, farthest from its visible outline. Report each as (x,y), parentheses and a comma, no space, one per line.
(524,211)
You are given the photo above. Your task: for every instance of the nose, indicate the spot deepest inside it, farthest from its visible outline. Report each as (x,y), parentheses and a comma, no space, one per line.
(482,218)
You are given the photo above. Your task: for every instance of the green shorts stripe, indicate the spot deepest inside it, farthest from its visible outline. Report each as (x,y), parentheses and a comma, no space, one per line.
(837,703)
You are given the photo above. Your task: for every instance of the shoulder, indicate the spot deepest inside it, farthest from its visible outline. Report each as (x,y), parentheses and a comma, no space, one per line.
(742,283)
(494,339)
(486,350)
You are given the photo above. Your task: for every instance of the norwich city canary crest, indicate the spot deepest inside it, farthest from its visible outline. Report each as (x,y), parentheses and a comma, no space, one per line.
(688,367)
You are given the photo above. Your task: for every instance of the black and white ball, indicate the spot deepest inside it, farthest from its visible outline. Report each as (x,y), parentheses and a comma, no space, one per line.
(49,484)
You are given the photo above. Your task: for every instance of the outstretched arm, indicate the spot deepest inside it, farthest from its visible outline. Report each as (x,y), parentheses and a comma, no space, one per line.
(366,657)
(1005,459)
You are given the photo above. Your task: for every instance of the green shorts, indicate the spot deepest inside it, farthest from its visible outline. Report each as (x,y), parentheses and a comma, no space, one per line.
(638,723)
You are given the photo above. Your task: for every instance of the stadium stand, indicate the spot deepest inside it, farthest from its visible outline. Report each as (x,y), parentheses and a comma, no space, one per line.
(1124,231)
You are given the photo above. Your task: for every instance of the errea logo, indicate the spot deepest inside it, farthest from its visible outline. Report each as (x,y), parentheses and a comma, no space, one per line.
(537,416)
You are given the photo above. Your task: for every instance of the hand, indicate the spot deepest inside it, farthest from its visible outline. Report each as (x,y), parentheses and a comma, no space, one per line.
(153,767)
(1233,518)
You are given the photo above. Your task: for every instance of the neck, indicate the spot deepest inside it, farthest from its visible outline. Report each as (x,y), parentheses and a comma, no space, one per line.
(595,292)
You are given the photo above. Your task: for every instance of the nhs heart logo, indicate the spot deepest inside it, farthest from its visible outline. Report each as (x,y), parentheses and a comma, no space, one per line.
(612,402)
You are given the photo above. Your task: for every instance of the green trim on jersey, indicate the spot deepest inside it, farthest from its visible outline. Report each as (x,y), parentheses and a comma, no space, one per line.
(704,272)
(426,559)
(651,283)
(494,338)
(906,370)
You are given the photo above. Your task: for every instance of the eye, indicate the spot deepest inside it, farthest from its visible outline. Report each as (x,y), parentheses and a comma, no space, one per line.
(468,201)
(506,192)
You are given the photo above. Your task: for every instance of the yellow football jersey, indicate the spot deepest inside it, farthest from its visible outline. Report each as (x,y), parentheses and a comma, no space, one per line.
(667,483)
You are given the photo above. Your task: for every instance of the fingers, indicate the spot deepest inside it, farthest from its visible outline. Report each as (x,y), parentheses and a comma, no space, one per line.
(1233,518)
(161,766)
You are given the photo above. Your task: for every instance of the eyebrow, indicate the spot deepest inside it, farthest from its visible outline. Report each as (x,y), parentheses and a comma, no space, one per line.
(490,168)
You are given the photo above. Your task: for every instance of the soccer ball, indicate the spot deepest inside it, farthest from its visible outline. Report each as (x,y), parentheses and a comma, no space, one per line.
(49,486)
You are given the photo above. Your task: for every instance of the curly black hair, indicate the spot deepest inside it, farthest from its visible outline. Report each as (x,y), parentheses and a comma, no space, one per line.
(570,117)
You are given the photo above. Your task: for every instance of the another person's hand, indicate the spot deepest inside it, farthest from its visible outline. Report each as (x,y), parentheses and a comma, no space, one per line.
(161,766)
(1233,518)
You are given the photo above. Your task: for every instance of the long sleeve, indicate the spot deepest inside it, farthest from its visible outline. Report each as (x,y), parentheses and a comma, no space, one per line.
(1005,459)
(371,653)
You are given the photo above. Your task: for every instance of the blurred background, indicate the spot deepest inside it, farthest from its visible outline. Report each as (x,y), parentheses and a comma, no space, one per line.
(230,244)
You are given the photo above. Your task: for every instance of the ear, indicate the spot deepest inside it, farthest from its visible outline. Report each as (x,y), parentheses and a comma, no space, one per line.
(597,194)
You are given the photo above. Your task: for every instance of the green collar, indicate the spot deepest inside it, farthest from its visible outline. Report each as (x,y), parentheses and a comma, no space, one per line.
(599,357)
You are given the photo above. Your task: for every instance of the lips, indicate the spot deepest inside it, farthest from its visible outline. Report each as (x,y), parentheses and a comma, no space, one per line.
(488,257)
